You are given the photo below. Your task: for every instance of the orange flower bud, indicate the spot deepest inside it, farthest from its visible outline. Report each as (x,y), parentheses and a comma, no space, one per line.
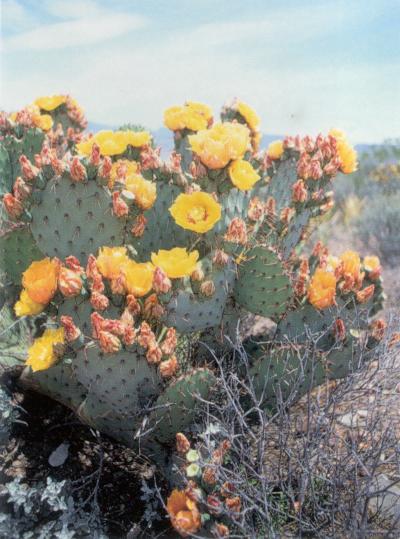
(130,335)
(220,530)
(109,343)
(197,274)
(152,307)
(169,367)
(207,288)
(132,304)
(161,282)
(95,155)
(139,226)
(339,329)
(21,189)
(146,336)
(69,282)
(71,331)
(233,504)
(118,285)
(365,294)
(77,170)
(255,210)
(287,215)
(237,232)
(378,328)
(209,475)
(299,191)
(73,264)
(12,206)
(169,344)
(97,324)
(105,167)
(182,443)
(154,353)
(29,172)
(99,301)
(270,208)
(120,208)
(220,258)
(227,489)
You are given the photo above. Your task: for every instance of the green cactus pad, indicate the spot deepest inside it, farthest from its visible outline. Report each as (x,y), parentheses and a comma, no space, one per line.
(176,407)
(280,184)
(188,312)
(75,219)
(57,382)
(283,373)
(294,232)
(234,203)
(161,230)
(14,339)
(6,173)
(123,382)
(30,144)
(263,286)
(345,358)
(17,250)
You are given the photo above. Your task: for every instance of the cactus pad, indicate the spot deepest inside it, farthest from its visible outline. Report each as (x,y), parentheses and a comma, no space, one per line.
(75,219)
(263,286)
(17,250)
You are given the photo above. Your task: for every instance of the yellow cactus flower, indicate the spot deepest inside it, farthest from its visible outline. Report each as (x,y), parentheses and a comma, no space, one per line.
(41,354)
(43,121)
(122,169)
(347,154)
(371,263)
(242,174)
(197,211)
(183,512)
(111,261)
(25,306)
(194,116)
(145,191)
(249,114)
(137,139)
(351,264)
(50,102)
(139,277)
(176,262)
(332,263)
(322,289)
(40,280)
(110,143)
(220,144)
(275,149)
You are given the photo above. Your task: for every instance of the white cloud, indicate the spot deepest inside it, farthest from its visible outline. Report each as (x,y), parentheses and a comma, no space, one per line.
(74,33)
(73,9)
(14,16)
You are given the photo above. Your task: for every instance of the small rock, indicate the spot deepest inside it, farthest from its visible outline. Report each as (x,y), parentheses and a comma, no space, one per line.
(59,455)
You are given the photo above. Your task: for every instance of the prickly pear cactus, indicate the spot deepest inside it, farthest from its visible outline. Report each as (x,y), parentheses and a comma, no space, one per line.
(126,258)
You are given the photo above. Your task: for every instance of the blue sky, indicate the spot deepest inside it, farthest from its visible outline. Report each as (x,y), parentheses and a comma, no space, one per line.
(305,66)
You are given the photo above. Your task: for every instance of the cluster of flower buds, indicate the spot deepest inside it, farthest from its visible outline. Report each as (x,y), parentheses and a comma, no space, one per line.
(155,351)
(237,231)
(99,301)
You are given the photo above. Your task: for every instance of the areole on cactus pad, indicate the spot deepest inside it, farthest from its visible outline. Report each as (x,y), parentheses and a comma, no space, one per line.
(127,262)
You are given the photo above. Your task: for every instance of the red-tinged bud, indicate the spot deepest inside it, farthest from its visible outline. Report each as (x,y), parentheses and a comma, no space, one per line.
(315,170)
(77,170)
(12,206)
(153,354)
(92,271)
(69,282)
(209,475)
(95,156)
(57,165)
(308,143)
(255,210)
(237,231)
(221,451)
(175,162)
(116,327)
(169,367)
(332,167)
(233,504)
(21,189)
(299,191)
(320,250)
(227,489)
(287,215)
(365,294)
(304,267)
(146,336)
(139,226)
(394,339)
(120,208)
(197,274)
(197,169)
(378,328)
(182,443)
(99,301)
(347,285)
(170,342)
(127,317)
(270,208)
(303,166)
(300,286)
(150,158)
(29,171)
(220,531)
(220,258)
(152,308)
(73,264)
(109,343)
(71,331)
(161,282)
(118,285)
(214,505)
(130,335)
(97,324)
(105,167)
(132,304)
(207,289)
(339,330)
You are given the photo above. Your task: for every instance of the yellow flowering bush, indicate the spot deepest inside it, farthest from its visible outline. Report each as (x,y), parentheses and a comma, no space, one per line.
(114,142)
(194,116)
(50,102)
(176,262)
(197,211)
(242,174)
(249,114)
(275,149)
(41,355)
(221,144)
(111,260)
(347,154)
